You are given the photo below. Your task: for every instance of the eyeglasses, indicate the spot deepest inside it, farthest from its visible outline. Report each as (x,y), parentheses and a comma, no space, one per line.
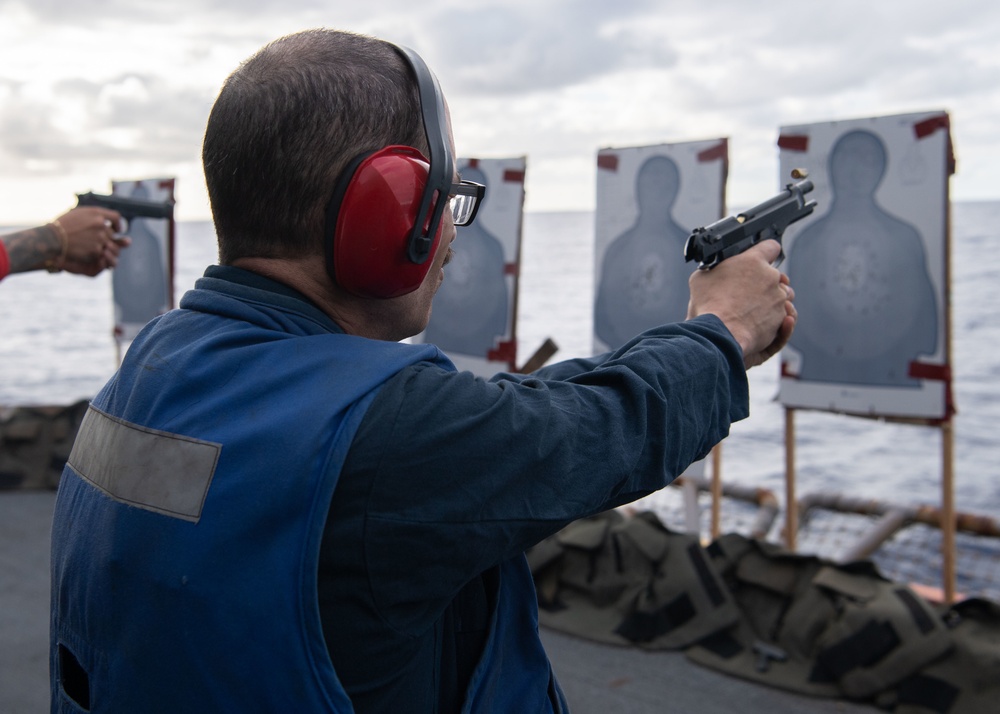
(465,199)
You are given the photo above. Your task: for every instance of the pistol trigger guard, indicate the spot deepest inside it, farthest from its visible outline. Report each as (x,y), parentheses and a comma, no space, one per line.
(781,257)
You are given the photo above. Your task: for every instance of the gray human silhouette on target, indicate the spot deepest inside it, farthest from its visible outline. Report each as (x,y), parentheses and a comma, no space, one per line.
(644,277)
(866,303)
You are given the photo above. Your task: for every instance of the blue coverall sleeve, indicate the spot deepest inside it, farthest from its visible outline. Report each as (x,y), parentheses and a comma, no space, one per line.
(466,473)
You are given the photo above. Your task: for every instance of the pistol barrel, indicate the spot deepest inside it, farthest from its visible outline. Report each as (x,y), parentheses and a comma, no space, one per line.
(128,207)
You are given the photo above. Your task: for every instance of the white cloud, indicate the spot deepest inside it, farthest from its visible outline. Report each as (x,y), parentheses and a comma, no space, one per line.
(90,92)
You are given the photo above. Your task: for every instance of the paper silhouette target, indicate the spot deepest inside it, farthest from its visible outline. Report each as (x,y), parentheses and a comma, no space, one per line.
(869,268)
(142,282)
(472,316)
(648,201)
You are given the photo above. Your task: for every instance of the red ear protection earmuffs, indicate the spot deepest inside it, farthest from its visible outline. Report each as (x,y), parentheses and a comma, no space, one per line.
(383,221)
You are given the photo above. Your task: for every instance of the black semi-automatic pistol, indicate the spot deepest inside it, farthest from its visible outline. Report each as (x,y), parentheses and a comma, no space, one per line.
(129,208)
(734,234)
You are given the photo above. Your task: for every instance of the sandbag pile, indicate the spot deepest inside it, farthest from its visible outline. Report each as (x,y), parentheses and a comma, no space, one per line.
(753,610)
(35,442)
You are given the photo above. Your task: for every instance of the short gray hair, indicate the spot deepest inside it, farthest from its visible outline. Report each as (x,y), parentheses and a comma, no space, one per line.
(285,125)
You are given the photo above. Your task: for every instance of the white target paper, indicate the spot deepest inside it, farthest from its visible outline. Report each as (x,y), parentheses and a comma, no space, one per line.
(869,267)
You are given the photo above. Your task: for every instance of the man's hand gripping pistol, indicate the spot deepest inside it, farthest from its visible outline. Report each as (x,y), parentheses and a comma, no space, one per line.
(734,234)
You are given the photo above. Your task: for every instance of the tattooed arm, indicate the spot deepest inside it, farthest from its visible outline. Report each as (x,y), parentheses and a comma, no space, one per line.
(80,241)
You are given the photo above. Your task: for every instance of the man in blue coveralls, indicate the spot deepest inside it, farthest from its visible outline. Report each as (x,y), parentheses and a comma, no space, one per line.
(275,505)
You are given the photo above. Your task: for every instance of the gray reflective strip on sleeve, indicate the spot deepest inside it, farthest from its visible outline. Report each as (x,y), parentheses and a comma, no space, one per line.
(156,470)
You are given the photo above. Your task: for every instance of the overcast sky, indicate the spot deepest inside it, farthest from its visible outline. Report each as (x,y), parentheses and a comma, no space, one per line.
(115,89)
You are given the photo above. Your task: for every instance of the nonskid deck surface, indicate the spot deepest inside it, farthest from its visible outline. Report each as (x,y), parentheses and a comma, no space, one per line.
(25,523)
(604,679)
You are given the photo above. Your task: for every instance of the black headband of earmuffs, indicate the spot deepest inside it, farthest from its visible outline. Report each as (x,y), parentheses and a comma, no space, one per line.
(439,176)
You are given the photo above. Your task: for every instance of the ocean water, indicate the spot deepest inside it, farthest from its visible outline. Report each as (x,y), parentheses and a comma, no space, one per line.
(56,347)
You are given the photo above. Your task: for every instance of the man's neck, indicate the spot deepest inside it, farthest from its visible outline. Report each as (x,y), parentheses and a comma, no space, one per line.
(355,316)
